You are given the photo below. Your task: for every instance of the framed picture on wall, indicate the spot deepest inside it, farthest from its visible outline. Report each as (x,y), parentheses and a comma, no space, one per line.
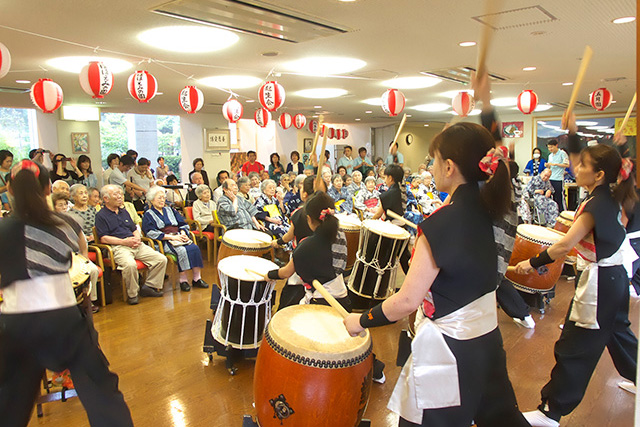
(80,142)
(307,145)
(512,129)
(216,140)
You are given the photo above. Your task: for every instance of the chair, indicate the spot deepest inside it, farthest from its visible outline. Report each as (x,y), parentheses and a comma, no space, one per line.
(95,256)
(171,258)
(212,238)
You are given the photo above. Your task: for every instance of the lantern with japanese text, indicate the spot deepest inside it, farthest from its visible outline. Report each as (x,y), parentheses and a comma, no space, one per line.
(345,133)
(527,101)
(46,95)
(142,86)
(262,117)
(285,120)
(463,103)
(191,99)
(232,110)
(338,134)
(313,126)
(331,133)
(601,99)
(5,60)
(393,102)
(96,79)
(299,120)
(271,95)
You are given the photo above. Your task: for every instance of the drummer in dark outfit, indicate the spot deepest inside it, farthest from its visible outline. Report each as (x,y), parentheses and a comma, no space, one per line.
(598,314)
(457,371)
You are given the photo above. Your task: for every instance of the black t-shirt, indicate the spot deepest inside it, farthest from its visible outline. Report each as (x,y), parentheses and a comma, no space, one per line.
(392,199)
(634,218)
(313,259)
(300,225)
(463,247)
(608,232)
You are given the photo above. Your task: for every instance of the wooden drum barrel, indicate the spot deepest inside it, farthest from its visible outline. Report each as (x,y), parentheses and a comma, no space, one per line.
(563,224)
(350,225)
(310,372)
(244,242)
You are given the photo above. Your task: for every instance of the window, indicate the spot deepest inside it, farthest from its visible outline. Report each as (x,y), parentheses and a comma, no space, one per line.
(18,131)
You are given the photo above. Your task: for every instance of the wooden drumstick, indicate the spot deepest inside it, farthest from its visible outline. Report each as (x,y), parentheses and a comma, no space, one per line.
(252,271)
(486,34)
(629,110)
(394,215)
(584,64)
(320,166)
(315,139)
(395,139)
(333,302)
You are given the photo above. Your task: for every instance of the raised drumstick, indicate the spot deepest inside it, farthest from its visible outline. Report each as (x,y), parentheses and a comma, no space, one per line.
(320,166)
(584,64)
(315,138)
(629,110)
(486,34)
(394,215)
(333,302)
(395,140)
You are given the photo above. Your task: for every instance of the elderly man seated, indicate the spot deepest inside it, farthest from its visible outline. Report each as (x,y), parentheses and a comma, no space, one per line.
(234,211)
(197,180)
(115,228)
(62,187)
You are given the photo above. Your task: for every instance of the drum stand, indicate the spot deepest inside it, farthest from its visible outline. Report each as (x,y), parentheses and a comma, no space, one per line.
(247,421)
(231,354)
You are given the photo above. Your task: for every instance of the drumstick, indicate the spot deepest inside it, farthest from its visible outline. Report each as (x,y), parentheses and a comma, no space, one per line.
(252,271)
(333,302)
(584,64)
(319,175)
(315,138)
(486,34)
(395,139)
(626,117)
(394,215)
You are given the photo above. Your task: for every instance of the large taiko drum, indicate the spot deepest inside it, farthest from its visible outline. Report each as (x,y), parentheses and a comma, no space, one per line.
(530,241)
(244,309)
(350,225)
(79,275)
(244,242)
(310,372)
(563,224)
(374,272)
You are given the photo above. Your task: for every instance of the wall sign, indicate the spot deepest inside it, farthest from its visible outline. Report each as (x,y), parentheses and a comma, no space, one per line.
(216,139)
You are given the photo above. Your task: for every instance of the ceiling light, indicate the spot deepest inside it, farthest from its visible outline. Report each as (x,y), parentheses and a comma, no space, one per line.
(567,84)
(624,20)
(368,112)
(409,115)
(357,120)
(80,113)
(231,82)
(504,102)
(23,82)
(420,82)
(599,127)
(315,117)
(614,101)
(543,107)
(373,101)
(529,69)
(426,125)
(188,39)
(432,108)
(323,66)
(586,123)
(317,106)
(465,44)
(321,93)
(347,1)
(473,112)
(452,93)
(74,64)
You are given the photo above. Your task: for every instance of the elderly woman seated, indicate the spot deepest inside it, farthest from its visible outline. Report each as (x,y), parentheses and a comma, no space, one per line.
(541,190)
(367,200)
(271,210)
(342,197)
(163,223)
(203,207)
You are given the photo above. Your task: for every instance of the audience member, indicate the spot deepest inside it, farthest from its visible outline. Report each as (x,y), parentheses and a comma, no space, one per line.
(368,199)
(394,157)
(113,160)
(236,212)
(6,160)
(252,165)
(175,196)
(222,176)
(94,198)
(558,162)
(141,176)
(275,167)
(60,202)
(87,177)
(203,207)
(271,210)
(342,171)
(198,165)
(357,183)
(541,191)
(197,180)
(119,176)
(340,195)
(292,199)
(346,160)
(162,171)
(244,185)
(295,165)
(363,164)
(133,154)
(60,171)
(254,191)
(84,213)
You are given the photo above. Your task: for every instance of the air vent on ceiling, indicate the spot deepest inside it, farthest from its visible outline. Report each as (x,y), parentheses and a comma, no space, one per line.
(614,79)
(252,16)
(14,89)
(459,74)
(564,105)
(514,18)
(376,74)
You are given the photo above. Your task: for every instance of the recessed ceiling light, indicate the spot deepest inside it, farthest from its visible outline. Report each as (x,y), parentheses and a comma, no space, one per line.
(614,101)
(567,84)
(231,82)
(543,107)
(23,82)
(452,93)
(420,82)
(426,125)
(188,39)
(373,101)
(504,102)
(409,115)
(529,69)
(159,93)
(368,112)
(321,93)
(347,1)
(624,20)
(357,120)
(586,123)
(473,112)
(248,101)
(432,108)
(323,66)
(317,106)
(315,117)
(74,64)
(466,44)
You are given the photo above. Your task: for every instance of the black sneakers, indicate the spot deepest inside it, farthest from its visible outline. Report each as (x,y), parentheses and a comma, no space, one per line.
(146,291)
(199,284)
(184,286)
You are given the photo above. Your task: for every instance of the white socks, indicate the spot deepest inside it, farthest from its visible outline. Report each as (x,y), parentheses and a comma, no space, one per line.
(527,322)
(539,419)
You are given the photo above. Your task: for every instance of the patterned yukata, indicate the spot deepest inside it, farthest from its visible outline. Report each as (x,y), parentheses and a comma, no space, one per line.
(268,207)
(546,206)
(367,199)
(291,201)
(343,199)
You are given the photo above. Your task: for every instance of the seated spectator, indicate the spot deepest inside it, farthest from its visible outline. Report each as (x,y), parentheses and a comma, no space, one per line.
(421,168)
(222,176)
(541,190)
(163,223)
(63,188)
(119,176)
(308,170)
(341,196)
(295,165)
(235,211)
(60,171)
(285,183)
(198,165)
(60,202)
(6,160)
(407,174)
(87,177)
(162,171)
(244,185)
(113,160)
(264,175)
(115,227)
(252,165)
(141,176)
(356,184)
(426,199)
(203,208)
(271,210)
(82,211)
(342,171)
(292,199)
(175,196)
(348,183)
(133,154)
(94,198)
(326,177)
(197,180)
(367,200)
(381,182)
(275,167)
(254,191)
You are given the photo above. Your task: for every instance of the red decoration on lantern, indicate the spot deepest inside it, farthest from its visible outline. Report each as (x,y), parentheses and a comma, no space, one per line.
(96,79)
(262,117)
(232,110)
(285,120)
(601,99)
(142,86)
(331,133)
(271,95)
(5,60)
(527,101)
(191,99)
(338,134)
(299,120)
(345,133)
(463,103)
(313,126)
(393,102)
(46,95)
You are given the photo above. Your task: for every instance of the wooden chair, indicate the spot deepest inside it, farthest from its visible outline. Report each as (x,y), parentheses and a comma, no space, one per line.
(95,256)
(212,238)
(172,260)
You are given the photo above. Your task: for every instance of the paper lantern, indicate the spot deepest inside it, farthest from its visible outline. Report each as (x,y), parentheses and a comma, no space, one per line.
(191,99)
(393,102)
(345,133)
(285,120)
(299,120)
(463,103)
(331,133)
(601,99)
(262,117)
(271,95)
(142,86)
(313,126)
(232,110)
(5,60)
(96,79)
(527,101)
(46,95)
(338,134)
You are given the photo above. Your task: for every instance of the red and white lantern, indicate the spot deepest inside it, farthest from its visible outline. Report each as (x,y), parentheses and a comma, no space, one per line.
(142,86)
(46,95)
(299,120)
(393,102)
(331,133)
(285,120)
(5,60)
(338,134)
(527,101)
(262,117)
(271,95)
(601,99)
(463,103)
(191,99)
(313,126)
(232,110)
(345,133)
(96,79)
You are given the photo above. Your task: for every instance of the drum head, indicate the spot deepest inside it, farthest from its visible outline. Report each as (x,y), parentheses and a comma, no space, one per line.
(537,234)
(317,332)
(234,266)
(385,229)
(568,215)
(247,239)
(349,222)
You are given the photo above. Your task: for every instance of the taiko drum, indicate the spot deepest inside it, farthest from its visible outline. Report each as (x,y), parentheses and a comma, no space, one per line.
(563,224)
(244,242)
(350,225)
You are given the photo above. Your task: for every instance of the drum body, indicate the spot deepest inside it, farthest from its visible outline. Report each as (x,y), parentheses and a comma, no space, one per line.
(374,272)
(563,224)
(530,241)
(350,225)
(79,275)
(244,242)
(310,372)
(245,302)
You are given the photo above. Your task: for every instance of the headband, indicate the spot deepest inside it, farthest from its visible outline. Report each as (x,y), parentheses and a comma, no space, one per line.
(325,212)
(489,163)
(26,164)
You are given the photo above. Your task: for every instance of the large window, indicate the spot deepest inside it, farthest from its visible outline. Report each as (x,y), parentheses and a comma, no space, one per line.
(18,131)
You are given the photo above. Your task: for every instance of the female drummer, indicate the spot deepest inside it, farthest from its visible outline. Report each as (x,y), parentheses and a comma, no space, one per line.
(598,313)
(41,325)
(457,371)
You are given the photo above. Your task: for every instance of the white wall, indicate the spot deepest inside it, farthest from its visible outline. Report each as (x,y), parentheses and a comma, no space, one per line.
(192,144)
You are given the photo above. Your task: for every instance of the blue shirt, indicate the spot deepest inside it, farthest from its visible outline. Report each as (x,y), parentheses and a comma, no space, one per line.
(109,223)
(390,159)
(346,162)
(557,172)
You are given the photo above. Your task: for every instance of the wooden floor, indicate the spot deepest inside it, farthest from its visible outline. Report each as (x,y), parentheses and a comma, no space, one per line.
(156,349)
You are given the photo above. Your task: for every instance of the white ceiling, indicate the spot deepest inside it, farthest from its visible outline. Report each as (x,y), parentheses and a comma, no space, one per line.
(394,37)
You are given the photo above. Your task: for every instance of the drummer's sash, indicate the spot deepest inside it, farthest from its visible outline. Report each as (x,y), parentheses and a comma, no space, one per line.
(335,287)
(429,379)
